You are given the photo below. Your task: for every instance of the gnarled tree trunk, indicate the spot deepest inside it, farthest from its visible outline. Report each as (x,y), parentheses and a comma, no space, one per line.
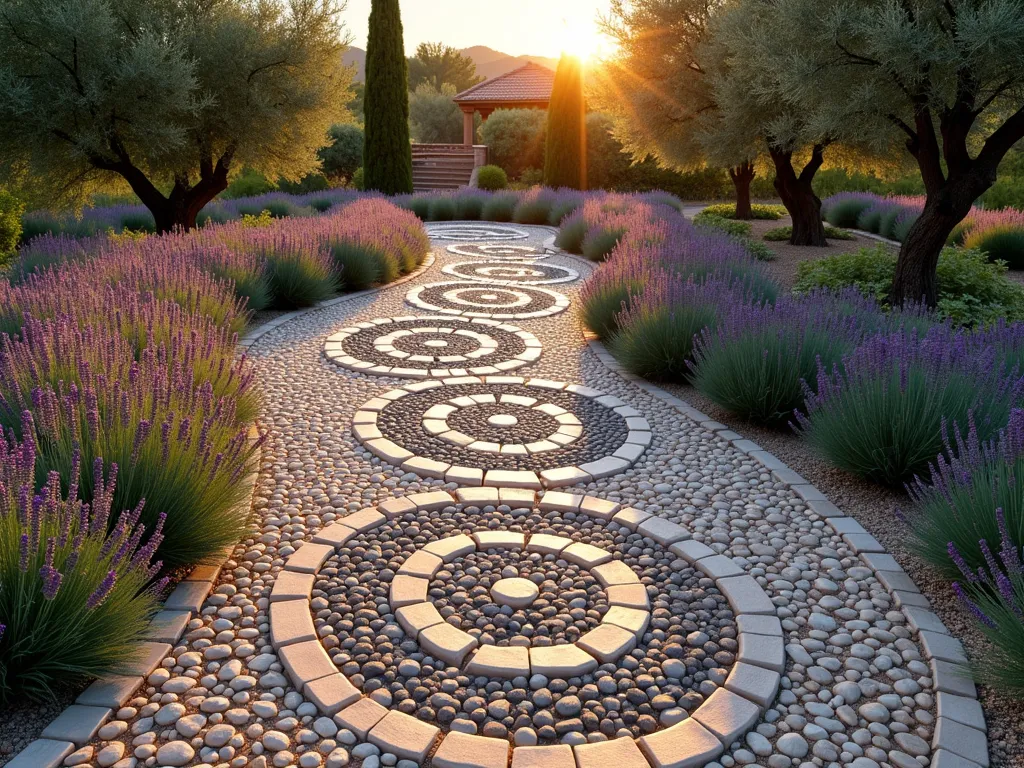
(741,177)
(798,195)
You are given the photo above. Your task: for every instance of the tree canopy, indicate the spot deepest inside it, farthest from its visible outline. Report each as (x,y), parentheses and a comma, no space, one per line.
(387,152)
(433,117)
(437,64)
(172,97)
(565,157)
(944,77)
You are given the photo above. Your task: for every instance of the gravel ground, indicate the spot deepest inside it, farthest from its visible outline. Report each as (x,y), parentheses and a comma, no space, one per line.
(875,507)
(855,690)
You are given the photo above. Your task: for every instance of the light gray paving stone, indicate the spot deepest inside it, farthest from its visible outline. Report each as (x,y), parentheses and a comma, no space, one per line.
(334,535)
(943,758)
(464,475)
(943,647)
(880,561)
(499,540)
(605,467)
(446,642)
(952,678)
(557,756)
(364,520)
(77,724)
(607,642)
(291,622)
(756,684)
(961,740)
(563,476)
(745,595)
(684,745)
(920,619)
(903,599)
(111,691)
(763,651)
(614,572)
(462,750)
(547,544)
(586,555)
(863,542)
(425,467)
(306,662)
(42,753)
(631,518)
(479,497)
(617,753)
(628,595)
(560,501)
(361,716)
(167,626)
(404,736)
(603,509)
(897,580)
(417,617)
(422,564)
(291,585)
(631,619)
(452,547)
(691,551)
(662,531)
(393,508)
(727,715)
(759,625)
(501,662)
(718,567)
(962,709)
(407,590)
(512,478)
(187,596)
(331,694)
(561,661)
(309,557)
(514,497)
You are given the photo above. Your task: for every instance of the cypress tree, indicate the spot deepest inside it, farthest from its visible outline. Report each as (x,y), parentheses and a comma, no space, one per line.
(565,163)
(387,153)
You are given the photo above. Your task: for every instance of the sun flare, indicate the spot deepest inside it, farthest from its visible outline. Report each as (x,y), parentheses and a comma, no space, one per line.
(582,39)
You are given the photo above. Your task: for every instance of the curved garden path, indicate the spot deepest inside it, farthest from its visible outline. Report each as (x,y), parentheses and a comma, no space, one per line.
(659,601)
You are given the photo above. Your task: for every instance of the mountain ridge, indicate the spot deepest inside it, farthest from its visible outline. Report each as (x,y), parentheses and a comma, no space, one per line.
(489,62)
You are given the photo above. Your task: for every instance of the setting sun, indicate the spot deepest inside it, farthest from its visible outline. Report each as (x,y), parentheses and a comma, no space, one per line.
(582,38)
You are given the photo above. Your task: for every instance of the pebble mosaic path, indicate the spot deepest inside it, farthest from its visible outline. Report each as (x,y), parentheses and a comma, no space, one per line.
(693,605)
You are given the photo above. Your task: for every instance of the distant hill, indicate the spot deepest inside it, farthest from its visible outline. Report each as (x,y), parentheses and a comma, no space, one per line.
(489,62)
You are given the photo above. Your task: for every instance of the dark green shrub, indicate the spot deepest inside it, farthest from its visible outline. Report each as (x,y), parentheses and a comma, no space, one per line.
(441,209)
(213,213)
(249,183)
(358,179)
(903,225)
(311,182)
(1000,243)
(387,150)
(299,278)
(599,243)
(757,211)
(358,267)
(344,155)
(846,213)
(499,208)
(469,207)
(972,291)
(729,226)
(571,234)
(561,209)
(281,209)
(420,205)
(887,222)
(532,210)
(870,219)
(491,178)
(565,149)
(321,204)
(603,304)
(780,234)
(11,210)
(515,139)
(138,221)
(758,250)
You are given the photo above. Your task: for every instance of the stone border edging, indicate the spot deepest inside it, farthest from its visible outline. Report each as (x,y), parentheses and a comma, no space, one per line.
(960,734)
(638,438)
(710,729)
(78,723)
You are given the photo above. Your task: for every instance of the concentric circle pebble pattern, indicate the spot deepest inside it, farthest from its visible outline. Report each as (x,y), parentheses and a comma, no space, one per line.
(641,633)
(499,252)
(475,299)
(511,273)
(475,231)
(559,434)
(422,347)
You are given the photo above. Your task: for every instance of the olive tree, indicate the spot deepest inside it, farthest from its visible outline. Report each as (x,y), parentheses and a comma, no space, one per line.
(658,91)
(172,97)
(943,77)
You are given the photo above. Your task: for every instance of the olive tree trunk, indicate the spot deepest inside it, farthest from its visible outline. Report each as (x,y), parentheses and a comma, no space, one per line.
(798,196)
(741,177)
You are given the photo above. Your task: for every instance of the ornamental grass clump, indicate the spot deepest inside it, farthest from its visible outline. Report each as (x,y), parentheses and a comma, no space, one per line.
(571,233)
(1003,242)
(534,207)
(442,208)
(656,330)
(993,595)
(971,482)
(881,412)
(844,209)
(76,583)
(469,206)
(299,275)
(755,362)
(178,445)
(500,207)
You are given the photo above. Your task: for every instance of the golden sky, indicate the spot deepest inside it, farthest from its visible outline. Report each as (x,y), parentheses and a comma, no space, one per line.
(537,27)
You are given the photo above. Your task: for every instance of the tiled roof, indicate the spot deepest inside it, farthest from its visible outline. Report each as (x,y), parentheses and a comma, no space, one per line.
(531,82)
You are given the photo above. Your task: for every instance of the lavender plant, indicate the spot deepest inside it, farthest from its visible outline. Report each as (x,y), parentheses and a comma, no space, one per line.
(993,595)
(76,584)
(755,363)
(969,482)
(880,413)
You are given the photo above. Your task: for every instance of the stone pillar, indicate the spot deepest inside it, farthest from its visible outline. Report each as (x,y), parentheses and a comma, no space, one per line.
(467,128)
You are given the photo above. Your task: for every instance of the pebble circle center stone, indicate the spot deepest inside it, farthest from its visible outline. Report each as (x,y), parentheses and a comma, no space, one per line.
(502,420)
(514,592)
